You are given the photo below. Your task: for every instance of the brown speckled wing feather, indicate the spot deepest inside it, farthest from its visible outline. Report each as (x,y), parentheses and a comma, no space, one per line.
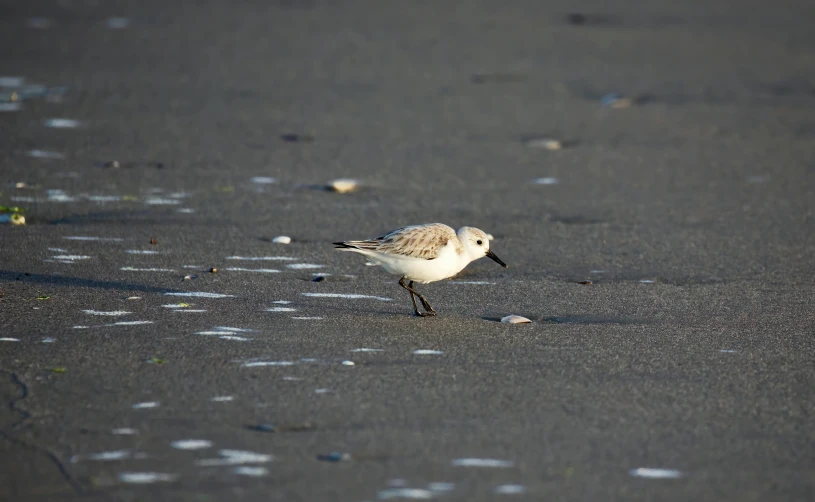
(420,241)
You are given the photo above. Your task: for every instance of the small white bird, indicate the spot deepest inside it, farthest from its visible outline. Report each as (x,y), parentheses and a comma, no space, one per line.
(424,253)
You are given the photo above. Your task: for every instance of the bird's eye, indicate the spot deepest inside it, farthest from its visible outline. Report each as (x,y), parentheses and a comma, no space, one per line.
(478,242)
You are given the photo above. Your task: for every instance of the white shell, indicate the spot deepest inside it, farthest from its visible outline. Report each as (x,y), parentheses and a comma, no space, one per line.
(343,185)
(515,319)
(282,239)
(348,363)
(545,143)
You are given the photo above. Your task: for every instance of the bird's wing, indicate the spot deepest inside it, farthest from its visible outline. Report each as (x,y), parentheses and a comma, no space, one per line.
(419,241)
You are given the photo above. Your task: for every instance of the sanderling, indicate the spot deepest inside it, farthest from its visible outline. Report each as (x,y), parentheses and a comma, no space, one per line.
(424,253)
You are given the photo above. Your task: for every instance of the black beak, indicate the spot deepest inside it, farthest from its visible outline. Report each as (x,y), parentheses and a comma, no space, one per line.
(497,260)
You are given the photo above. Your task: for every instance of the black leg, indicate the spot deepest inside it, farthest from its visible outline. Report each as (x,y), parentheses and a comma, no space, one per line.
(412,299)
(424,301)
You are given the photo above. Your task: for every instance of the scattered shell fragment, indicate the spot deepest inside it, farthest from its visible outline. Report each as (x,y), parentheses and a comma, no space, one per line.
(515,319)
(282,239)
(616,101)
(343,185)
(153,241)
(348,363)
(585,282)
(213,270)
(14,219)
(297,138)
(548,180)
(335,456)
(544,143)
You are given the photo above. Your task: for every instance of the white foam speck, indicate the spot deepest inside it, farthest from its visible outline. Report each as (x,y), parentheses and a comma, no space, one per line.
(263,180)
(124,431)
(644,472)
(6,339)
(158,201)
(48,340)
(236,330)
(441,487)
(81,327)
(86,238)
(104,198)
(190,311)
(174,306)
(12,81)
(222,399)
(322,391)
(597,271)
(144,477)
(281,309)
(44,154)
(479,283)
(236,338)
(365,349)
(255,364)
(427,352)
(199,294)
(186,210)
(647,281)
(547,181)
(481,462)
(291,379)
(147,404)
(347,296)
(305,318)
(134,269)
(261,258)
(261,270)
(107,313)
(70,257)
(235,457)
(191,444)
(140,251)
(62,123)
(251,471)
(214,333)
(304,266)
(58,250)
(108,455)
(130,323)
(405,493)
(727,351)
(510,489)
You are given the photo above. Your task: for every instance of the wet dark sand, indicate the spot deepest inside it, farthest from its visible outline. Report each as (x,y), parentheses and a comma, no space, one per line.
(704,185)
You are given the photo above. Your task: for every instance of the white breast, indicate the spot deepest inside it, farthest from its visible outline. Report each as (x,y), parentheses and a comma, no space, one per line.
(447,264)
